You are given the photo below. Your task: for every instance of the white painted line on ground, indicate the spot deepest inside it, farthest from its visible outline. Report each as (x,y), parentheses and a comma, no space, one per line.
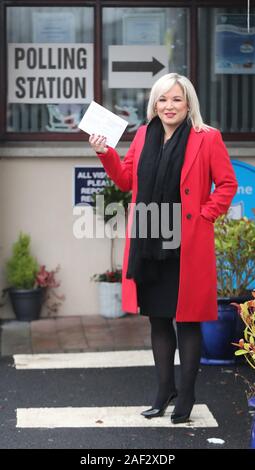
(107,417)
(86,360)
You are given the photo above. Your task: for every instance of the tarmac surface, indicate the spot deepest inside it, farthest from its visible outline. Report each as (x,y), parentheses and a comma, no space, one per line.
(34,390)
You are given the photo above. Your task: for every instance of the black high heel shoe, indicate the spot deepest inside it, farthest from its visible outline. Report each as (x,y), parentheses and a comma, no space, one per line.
(177,418)
(157,412)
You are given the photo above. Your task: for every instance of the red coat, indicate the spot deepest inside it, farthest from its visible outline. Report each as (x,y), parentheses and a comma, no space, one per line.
(206,160)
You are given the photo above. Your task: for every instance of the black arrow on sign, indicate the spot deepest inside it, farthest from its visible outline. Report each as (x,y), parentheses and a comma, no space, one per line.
(153,66)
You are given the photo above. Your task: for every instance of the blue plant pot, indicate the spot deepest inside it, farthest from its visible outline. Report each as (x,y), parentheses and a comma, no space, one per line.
(251,403)
(218,335)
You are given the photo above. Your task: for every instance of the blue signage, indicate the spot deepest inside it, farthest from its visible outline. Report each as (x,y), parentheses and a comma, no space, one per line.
(234,45)
(87,181)
(243,203)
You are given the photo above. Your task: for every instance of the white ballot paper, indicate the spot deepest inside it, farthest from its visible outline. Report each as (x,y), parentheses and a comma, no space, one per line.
(98,120)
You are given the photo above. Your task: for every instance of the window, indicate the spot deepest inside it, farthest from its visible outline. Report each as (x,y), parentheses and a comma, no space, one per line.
(50,68)
(135,41)
(226,72)
(61,54)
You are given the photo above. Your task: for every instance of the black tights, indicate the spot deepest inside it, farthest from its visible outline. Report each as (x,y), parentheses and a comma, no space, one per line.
(163,340)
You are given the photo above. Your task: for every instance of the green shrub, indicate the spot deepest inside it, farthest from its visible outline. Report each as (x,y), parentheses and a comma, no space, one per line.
(22,267)
(234,243)
(112,194)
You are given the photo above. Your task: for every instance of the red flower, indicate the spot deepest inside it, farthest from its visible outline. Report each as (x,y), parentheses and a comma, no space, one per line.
(46,278)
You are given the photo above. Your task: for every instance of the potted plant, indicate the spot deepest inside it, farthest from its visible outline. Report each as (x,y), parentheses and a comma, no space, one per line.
(109,292)
(246,348)
(246,345)
(109,282)
(28,282)
(235,257)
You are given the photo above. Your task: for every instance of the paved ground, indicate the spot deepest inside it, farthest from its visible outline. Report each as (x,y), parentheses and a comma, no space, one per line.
(75,334)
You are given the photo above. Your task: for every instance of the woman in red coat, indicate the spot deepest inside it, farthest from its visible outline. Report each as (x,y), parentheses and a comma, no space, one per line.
(169,267)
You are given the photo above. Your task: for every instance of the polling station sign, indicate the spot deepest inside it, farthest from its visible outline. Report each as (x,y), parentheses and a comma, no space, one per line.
(87,181)
(50,73)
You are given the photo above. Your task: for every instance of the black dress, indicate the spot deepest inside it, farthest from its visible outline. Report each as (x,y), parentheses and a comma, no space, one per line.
(159,298)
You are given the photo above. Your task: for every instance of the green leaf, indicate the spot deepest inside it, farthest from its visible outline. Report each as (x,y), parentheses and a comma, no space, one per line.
(235,255)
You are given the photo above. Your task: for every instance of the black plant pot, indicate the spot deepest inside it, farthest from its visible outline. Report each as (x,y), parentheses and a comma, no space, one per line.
(218,335)
(27,303)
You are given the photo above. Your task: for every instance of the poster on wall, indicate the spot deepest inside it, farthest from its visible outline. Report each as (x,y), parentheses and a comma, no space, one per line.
(57,28)
(136,66)
(143,29)
(50,73)
(53,27)
(234,45)
(243,204)
(87,181)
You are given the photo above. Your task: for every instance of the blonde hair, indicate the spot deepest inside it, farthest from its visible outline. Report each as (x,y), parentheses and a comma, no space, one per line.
(163,85)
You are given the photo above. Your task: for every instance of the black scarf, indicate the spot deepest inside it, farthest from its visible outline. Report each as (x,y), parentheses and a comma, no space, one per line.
(159,173)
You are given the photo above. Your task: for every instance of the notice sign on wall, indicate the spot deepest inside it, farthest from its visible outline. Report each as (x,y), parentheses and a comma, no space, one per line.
(50,73)
(87,181)
(136,66)
(243,203)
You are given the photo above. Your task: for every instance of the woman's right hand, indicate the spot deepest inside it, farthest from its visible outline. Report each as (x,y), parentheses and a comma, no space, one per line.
(98,143)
